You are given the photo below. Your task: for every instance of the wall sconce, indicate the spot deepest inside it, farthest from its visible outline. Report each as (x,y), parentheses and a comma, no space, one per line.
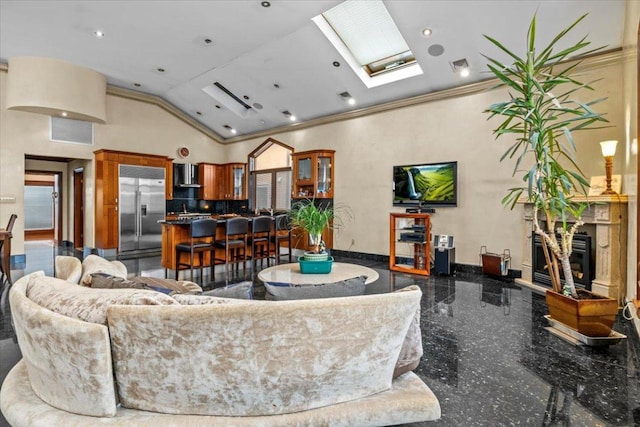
(608,151)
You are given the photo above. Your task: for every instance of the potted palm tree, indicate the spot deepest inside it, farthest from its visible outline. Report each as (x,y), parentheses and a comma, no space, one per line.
(541,113)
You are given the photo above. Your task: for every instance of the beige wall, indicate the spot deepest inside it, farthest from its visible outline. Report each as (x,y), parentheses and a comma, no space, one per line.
(366,150)
(453,129)
(131,126)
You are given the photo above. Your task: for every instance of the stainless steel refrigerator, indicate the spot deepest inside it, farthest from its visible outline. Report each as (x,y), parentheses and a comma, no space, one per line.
(142,205)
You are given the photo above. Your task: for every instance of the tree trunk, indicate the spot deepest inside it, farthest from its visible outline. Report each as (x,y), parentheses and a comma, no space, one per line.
(568,275)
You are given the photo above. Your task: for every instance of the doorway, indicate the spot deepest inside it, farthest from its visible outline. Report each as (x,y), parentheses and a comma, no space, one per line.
(42,212)
(78,208)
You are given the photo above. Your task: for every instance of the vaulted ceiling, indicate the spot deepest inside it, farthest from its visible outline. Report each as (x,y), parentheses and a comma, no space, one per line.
(272,56)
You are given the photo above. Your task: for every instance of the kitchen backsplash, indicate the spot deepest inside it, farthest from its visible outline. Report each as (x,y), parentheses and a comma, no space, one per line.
(207,206)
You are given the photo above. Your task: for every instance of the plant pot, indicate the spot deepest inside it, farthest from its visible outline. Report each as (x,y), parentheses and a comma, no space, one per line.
(312,256)
(591,315)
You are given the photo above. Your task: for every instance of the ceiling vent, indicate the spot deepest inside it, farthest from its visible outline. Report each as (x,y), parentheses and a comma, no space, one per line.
(221,94)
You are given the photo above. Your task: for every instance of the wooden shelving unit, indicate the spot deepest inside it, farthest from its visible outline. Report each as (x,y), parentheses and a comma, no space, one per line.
(410,243)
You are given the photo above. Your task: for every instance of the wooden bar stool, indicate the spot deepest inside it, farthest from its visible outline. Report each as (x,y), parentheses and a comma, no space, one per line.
(282,233)
(200,229)
(5,251)
(261,227)
(235,239)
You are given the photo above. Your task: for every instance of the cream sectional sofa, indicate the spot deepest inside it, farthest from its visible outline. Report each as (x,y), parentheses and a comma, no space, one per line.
(142,358)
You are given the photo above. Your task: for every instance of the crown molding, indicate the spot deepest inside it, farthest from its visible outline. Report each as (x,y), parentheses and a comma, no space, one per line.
(586,63)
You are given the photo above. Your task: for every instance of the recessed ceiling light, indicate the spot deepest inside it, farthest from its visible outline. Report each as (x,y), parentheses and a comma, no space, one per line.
(233,131)
(230,129)
(346,97)
(461,67)
(289,115)
(64,114)
(246,97)
(257,106)
(218,107)
(161,70)
(98,33)
(199,113)
(336,64)
(276,85)
(265,4)
(427,32)
(208,40)
(137,84)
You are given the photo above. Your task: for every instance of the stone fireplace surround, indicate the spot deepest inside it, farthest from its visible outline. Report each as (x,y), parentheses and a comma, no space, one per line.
(608,214)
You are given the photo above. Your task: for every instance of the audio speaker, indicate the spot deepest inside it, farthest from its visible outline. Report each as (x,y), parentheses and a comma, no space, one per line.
(68,130)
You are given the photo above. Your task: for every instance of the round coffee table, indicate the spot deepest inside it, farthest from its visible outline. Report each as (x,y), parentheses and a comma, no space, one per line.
(290,273)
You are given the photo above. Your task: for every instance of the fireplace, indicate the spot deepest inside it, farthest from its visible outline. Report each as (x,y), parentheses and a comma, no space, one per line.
(605,221)
(581,260)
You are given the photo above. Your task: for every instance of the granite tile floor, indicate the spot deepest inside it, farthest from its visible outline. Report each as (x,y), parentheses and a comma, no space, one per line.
(487,355)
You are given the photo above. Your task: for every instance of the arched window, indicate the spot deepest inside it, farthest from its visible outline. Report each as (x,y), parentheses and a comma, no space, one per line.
(270,176)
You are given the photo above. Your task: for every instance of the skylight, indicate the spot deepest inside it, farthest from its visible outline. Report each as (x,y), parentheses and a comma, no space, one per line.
(365,35)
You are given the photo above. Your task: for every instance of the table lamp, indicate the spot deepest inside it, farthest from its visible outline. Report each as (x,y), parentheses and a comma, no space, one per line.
(608,151)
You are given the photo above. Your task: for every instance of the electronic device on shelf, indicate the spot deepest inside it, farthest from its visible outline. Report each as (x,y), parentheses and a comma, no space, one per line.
(414,237)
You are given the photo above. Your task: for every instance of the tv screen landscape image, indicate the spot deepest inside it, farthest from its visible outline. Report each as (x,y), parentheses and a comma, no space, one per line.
(428,184)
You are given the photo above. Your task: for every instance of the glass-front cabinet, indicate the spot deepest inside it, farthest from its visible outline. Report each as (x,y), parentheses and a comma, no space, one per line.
(313,174)
(238,175)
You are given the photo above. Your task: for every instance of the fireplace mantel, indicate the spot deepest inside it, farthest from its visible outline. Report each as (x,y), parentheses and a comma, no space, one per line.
(609,215)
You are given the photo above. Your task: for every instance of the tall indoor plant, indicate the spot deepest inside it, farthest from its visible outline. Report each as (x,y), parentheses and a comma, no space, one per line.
(541,113)
(315,217)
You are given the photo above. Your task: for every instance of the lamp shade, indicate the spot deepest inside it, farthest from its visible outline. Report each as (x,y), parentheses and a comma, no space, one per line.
(56,88)
(608,148)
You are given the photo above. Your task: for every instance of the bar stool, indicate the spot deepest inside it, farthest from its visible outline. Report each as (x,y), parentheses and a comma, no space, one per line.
(235,239)
(200,230)
(5,251)
(261,227)
(282,233)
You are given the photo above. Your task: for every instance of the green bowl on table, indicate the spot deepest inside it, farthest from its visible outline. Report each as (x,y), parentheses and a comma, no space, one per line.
(315,267)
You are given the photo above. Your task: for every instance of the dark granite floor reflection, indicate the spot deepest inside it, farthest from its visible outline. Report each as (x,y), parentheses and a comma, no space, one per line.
(487,358)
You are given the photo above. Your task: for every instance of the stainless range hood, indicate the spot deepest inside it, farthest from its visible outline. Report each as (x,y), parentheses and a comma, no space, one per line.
(185,175)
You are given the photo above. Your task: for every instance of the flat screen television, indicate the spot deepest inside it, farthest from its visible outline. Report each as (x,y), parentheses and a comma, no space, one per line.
(426,184)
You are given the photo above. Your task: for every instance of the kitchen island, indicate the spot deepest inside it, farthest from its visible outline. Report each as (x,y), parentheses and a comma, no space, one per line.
(177,230)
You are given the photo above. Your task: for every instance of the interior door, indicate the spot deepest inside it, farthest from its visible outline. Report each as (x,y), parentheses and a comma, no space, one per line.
(78,209)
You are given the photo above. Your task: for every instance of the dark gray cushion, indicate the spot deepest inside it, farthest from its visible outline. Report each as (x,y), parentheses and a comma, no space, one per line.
(166,286)
(241,290)
(344,288)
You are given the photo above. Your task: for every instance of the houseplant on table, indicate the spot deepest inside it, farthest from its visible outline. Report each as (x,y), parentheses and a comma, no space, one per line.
(541,114)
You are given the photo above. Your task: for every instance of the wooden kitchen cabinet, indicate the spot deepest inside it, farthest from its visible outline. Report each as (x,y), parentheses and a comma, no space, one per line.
(168,176)
(222,181)
(232,181)
(207,173)
(313,174)
(107,189)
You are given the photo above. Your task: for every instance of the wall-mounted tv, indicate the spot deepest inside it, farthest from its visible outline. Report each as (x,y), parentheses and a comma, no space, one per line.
(426,184)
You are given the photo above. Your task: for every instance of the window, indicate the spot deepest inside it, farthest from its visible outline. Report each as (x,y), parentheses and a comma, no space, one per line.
(270,176)
(366,36)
